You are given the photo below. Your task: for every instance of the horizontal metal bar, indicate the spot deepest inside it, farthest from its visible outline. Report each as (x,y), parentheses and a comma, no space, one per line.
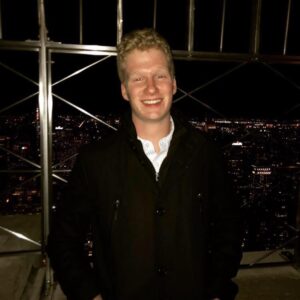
(20,171)
(28,45)
(81,49)
(56,47)
(34,171)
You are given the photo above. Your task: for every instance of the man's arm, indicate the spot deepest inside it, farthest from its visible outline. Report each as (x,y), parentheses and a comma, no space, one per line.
(67,238)
(225,232)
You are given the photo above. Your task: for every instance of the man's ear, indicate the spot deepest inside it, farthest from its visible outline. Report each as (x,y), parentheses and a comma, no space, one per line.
(174,86)
(124,92)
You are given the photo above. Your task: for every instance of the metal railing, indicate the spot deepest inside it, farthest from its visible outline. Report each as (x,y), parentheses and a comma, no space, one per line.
(48,50)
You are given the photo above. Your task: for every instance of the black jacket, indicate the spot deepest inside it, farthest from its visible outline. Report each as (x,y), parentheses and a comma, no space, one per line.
(175,237)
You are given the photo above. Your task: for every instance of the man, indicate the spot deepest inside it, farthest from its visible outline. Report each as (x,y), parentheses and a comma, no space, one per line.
(154,197)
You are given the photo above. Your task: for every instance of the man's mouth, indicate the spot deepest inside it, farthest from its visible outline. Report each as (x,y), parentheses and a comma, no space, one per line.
(152,101)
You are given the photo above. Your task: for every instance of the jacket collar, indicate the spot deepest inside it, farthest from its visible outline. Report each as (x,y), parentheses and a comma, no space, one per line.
(128,127)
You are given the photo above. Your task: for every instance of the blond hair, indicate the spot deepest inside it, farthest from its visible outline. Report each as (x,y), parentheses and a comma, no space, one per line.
(142,39)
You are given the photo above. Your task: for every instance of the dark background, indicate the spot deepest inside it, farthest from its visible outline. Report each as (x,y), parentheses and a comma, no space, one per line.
(258,89)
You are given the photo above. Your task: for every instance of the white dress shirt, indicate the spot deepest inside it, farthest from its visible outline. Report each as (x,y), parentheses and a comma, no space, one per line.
(164,144)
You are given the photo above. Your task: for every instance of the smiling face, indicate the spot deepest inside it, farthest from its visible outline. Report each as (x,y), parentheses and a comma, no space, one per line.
(149,86)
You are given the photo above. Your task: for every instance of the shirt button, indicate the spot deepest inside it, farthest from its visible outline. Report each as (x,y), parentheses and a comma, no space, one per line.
(199,195)
(160,211)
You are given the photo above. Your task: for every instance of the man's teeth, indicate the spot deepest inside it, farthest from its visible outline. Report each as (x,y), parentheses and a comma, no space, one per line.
(151,101)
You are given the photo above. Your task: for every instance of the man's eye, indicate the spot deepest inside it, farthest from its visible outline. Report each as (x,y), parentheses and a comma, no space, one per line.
(137,79)
(161,76)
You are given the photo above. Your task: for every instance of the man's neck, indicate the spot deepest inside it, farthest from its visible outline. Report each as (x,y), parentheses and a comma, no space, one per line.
(153,131)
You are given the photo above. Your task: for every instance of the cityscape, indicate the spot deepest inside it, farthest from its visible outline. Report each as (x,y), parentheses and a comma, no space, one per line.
(263,160)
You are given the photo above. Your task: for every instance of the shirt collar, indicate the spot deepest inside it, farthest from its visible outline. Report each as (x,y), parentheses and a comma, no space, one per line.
(164,142)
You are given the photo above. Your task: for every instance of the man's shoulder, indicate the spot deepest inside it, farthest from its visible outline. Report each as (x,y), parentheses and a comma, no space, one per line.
(107,144)
(199,136)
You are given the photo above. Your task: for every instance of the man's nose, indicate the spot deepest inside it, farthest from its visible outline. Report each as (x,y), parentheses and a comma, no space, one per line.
(151,85)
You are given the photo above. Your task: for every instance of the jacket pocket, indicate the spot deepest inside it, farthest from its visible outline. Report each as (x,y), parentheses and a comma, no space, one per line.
(114,218)
(116,206)
(198,212)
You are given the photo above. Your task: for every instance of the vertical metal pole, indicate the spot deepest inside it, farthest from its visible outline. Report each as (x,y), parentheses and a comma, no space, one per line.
(255,27)
(287,25)
(119,21)
(154,14)
(45,108)
(191,25)
(80,22)
(1,36)
(222,26)
(297,243)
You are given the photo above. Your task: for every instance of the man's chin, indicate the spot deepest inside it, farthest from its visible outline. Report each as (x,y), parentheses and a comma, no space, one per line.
(151,118)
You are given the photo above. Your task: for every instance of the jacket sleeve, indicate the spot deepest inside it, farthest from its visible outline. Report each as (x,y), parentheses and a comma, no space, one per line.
(68,233)
(225,229)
